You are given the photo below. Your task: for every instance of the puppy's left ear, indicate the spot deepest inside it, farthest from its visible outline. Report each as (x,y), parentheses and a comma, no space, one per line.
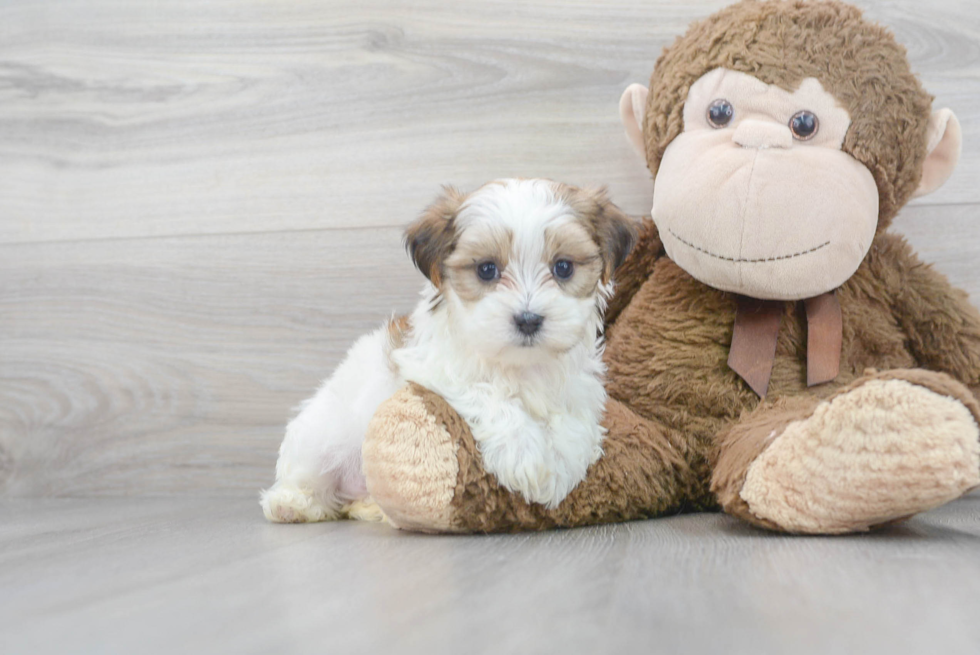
(615,233)
(432,237)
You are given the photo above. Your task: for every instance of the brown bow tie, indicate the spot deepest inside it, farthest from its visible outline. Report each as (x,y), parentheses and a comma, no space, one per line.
(753,348)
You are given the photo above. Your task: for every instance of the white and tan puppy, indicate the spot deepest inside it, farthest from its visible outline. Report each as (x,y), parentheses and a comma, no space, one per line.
(508,331)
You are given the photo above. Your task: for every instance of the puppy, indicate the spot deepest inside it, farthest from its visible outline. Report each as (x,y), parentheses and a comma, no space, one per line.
(508,331)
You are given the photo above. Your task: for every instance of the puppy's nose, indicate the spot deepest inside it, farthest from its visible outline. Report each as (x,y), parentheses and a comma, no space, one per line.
(528,323)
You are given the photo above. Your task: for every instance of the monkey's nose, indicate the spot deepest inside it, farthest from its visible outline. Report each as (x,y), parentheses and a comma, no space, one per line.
(753,133)
(528,323)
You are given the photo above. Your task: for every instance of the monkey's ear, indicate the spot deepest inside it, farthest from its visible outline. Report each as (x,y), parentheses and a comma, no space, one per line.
(432,237)
(944,140)
(632,106)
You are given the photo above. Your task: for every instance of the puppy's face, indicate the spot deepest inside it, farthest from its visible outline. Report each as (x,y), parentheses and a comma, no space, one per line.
(521,265)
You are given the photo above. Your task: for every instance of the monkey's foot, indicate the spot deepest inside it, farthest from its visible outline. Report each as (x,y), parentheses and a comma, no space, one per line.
(409,462)
(884,450)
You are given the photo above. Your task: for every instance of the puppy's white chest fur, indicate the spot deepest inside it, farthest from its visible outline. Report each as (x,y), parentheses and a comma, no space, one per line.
(537,425)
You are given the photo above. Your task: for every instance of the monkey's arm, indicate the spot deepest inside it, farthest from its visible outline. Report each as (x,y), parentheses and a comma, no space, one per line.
(424,470)
(942,327)
(635,268)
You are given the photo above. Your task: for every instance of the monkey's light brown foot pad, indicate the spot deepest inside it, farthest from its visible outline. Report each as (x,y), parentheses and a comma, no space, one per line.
(410,464)
(883,451)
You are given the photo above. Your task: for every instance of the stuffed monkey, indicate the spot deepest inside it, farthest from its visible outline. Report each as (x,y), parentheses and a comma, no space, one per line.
(772,350)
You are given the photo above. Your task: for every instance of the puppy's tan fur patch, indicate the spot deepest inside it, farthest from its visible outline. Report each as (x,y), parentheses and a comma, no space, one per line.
(574,243)
(431,238)
(596,243)
(480,244)
(398,328)
(612,230)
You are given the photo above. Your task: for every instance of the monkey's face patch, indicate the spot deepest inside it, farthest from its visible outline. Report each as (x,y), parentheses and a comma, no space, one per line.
(756,197)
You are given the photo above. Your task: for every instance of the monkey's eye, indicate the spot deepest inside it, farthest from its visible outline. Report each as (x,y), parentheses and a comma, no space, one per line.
(487,271)
(563,269)
(720,113)
(804,125)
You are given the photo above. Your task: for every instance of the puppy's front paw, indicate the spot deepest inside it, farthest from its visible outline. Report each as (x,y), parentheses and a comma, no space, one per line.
(523,466)
(288,504)
(534,479)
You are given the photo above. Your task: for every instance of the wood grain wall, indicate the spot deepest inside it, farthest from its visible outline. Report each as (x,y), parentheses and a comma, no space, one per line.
(201,203)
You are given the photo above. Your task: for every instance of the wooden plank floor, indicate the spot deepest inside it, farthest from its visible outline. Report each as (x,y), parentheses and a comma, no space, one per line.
(203,576)
(200,209)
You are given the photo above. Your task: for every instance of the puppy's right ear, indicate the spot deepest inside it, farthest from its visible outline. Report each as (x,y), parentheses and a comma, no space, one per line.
(432,238)
(615,231)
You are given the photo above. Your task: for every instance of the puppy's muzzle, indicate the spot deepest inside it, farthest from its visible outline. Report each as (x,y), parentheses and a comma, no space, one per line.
(528,323)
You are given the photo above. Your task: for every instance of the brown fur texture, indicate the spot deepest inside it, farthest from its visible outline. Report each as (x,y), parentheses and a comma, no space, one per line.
(683,428)
(431,238)
(783,43)
(635,268)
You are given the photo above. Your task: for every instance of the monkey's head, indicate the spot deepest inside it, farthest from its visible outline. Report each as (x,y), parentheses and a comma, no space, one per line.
(782,136)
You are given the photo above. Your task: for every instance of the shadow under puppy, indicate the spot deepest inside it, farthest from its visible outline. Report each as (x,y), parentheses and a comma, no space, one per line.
(508,331)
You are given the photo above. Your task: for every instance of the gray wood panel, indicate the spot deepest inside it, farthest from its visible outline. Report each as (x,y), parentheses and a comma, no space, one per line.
(170,365)
(209,576)
(200,203)
(122,119)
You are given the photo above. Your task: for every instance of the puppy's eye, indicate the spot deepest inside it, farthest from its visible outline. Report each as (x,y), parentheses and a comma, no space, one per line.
(720,113)
(804,125)
(487,271)
(563,269)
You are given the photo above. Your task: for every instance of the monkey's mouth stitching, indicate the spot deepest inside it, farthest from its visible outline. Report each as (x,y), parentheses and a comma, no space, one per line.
(748,261)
